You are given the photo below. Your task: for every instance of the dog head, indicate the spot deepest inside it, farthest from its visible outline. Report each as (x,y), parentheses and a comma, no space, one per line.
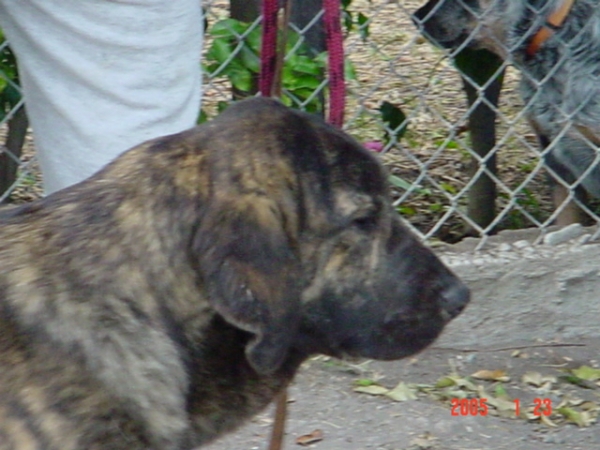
(285,227)
(478,24)
(448,23)
(299,245)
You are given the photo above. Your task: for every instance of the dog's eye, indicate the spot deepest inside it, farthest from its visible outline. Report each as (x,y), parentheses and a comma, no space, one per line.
(365,223)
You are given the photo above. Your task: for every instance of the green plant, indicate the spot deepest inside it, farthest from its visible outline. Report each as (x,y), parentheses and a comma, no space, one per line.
(529,202)
(399,182)
(354,20)
(406,210)
(395,121)
(235,51)
(9,77)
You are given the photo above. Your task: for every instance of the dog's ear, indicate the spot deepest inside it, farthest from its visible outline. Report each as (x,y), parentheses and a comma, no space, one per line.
(252,274)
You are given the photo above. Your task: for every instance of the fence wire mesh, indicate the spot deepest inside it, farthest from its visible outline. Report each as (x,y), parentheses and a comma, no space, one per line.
(19,176)
(460,163)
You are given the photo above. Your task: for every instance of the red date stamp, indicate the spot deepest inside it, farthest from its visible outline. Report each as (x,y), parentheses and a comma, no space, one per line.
(541,407)
(479,407)
(469,407)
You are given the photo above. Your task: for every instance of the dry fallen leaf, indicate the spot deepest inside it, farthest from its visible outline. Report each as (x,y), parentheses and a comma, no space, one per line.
(504,407)
(445,382)
(455,380)
(537,379)
(402,392)
(449,394)
(533,378)
(546,421)
(423,442)
(491,375)
(310,438)
(374,389)
(590,406)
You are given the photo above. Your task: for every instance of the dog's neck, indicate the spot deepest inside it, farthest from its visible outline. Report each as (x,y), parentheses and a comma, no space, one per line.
(553,22)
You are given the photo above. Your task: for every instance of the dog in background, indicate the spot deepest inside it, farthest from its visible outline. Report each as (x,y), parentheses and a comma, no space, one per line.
(556,46)
(174,294)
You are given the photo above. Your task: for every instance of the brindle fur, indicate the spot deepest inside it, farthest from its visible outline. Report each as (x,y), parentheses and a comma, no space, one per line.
(171,296)
(560,83)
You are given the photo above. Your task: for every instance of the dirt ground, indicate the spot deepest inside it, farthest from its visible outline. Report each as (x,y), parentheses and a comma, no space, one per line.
(530,333)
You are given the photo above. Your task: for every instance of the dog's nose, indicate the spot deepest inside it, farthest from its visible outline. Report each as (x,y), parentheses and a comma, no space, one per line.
(454,299)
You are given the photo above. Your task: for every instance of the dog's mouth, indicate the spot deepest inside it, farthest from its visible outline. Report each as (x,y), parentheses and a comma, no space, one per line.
(360,334)
(371,346)
(381,328)
(453,300)
(395,339)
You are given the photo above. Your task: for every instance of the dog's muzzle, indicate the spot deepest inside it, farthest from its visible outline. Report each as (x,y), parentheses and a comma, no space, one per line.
(454,299)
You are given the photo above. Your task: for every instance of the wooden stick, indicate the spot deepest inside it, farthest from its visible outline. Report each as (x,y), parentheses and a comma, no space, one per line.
(284,25)
(503,349)
(278,430)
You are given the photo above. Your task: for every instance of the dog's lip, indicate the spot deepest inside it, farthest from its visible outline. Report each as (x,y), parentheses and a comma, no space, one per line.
(398,336)
(387,351)
(453,300)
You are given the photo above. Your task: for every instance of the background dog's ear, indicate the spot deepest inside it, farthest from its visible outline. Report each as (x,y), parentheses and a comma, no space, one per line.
(252,274)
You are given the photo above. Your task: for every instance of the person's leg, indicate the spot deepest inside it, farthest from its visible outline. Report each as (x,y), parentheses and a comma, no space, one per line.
(100,76)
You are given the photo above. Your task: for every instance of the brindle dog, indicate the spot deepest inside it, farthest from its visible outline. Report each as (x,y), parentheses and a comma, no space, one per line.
(556,46)
(174,294)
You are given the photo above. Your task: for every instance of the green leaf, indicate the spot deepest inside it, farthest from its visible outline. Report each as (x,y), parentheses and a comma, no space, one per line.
(363,26)
(364,382)
(445,382)
(294,82)
(222,106)
(436,207)
(452,144)
(399,182)
(240,77)
(249,59)
(349,70)
(293,42)
(500,391)
(287,101)
(228,28)
(581,419)
(254,39)
(348,21)
(202,117)
(587,373)
(10,95)
(406,210)
(304,65)
(219,51)
(448,188)
(572,379)
(394,118)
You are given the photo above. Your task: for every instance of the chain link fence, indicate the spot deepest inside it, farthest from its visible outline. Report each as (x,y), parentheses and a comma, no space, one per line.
(462,156)
(19,176)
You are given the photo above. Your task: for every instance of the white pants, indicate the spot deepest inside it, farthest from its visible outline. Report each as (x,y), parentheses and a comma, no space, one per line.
(100,76)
